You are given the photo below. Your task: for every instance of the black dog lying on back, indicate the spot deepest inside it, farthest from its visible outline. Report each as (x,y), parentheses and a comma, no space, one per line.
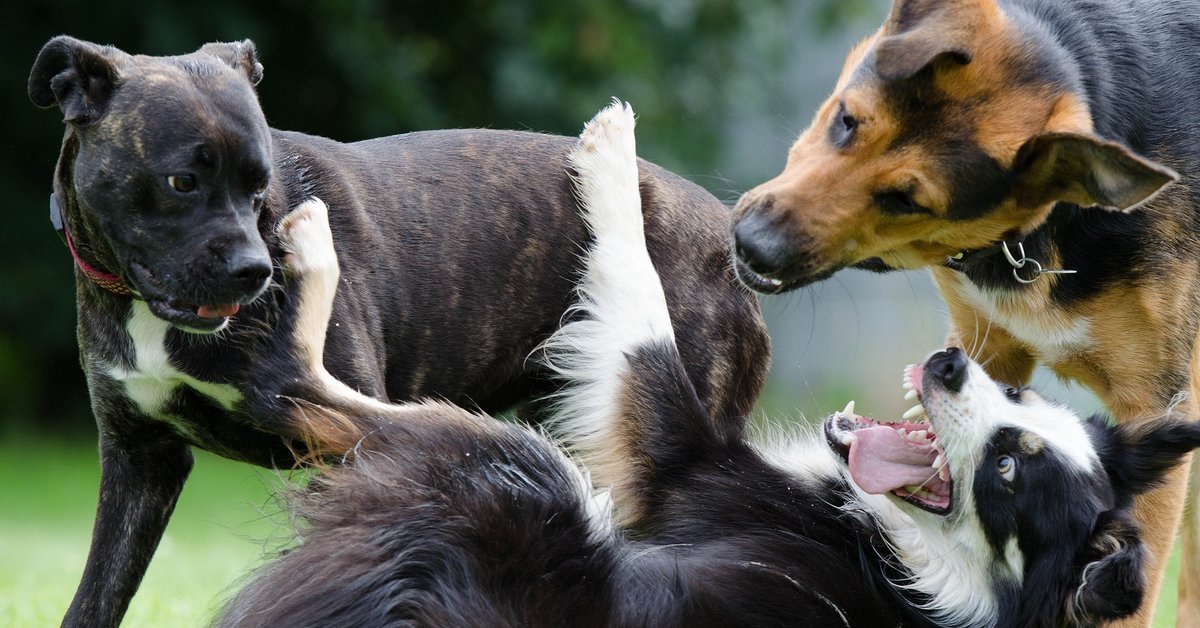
(1001,510)
(457,249)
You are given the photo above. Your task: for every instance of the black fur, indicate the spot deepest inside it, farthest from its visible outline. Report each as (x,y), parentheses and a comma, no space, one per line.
(458,256)
(1136,66)
(479,523)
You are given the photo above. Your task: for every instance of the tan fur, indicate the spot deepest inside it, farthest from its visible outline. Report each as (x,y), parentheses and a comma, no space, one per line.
(1119,343)
(827,193)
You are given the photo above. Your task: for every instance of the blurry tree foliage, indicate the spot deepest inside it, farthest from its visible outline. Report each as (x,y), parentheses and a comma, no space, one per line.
(353,69)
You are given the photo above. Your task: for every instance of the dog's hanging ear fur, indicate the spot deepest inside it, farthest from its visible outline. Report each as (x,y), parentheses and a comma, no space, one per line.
(240,55)
(78,76)
(920,32)
(1137,456)
(1085,170)
(1111,584)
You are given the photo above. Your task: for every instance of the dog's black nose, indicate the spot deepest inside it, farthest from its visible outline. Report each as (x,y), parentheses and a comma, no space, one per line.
(949,367)
(759,245)
(248,273)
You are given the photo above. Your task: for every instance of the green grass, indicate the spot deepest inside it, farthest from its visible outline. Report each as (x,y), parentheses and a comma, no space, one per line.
(225,521)
(225,524)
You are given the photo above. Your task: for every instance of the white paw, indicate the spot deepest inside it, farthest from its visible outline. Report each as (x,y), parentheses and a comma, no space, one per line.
(606,173)
(608,135)
(305,236)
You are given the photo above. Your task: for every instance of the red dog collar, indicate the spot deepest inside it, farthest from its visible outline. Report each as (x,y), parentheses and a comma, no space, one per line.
(110,282)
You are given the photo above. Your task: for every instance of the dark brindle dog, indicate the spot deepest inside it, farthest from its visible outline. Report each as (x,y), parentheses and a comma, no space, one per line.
(993,140)
(458,252)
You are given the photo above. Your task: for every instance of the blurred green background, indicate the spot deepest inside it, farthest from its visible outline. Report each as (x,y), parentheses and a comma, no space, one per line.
(721,88)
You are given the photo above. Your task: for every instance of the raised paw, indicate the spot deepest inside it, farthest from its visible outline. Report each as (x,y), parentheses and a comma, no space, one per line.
(606,174)
(307,241)
(610,131)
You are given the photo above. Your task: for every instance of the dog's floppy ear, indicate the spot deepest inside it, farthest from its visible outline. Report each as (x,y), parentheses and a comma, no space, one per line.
(1111,584)
(240,55)
(1137,456)
(920,32)
(76,75)
(1085,170)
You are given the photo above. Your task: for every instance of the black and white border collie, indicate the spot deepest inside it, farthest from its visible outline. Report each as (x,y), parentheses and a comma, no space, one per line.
(998,508)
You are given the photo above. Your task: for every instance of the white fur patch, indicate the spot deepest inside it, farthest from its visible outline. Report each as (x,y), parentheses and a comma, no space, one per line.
(1054,334)
(620,298)
(804,454)
(152,379)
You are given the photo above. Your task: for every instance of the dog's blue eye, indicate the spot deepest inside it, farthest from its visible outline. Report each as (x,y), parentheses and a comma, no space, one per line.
(898,203)
(1006,466)
(182,182)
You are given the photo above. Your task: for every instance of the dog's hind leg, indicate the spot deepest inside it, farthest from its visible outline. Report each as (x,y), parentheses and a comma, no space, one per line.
(292,386)
(627,408)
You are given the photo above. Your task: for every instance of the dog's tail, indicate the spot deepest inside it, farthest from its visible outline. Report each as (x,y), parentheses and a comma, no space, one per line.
(627,409)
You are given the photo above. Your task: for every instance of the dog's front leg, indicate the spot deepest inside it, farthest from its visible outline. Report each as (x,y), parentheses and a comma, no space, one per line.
(1005,358)
(140,480)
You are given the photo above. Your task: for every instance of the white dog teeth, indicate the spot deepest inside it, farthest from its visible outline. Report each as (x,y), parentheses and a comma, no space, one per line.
(919,437)
(849,408)
(939,462)
(910,395)
(774,282)
(913,412)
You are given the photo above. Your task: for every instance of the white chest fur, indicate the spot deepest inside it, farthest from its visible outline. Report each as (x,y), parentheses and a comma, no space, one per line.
(152,379)
(1053,333)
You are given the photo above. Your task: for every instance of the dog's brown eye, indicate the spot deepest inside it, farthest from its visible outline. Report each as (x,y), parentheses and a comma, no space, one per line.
(898,203)
(182,182)
(843,127)
(1013,394)
(261,189)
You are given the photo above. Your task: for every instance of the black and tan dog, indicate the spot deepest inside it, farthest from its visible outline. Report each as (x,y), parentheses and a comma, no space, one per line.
(998,141)
(458,252)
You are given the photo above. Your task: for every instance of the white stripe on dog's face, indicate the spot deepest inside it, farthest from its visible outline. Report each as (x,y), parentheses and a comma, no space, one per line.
(1015,459)
(967,420)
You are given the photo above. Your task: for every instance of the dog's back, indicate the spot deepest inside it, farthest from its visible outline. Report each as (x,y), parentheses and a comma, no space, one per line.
(446,241)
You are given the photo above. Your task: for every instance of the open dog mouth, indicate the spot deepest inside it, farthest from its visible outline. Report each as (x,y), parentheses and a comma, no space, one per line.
(205,318)
(902,458)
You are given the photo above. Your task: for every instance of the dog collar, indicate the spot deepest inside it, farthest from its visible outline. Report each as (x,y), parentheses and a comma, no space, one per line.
(110,282)
(1033,269)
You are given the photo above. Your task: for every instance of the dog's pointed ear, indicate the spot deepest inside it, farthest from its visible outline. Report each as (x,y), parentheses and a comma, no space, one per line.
(240,55)
(919,32)
(1085,170)
(78,76)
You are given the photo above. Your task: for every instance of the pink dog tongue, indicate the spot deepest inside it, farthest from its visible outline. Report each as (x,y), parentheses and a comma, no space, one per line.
(882,461)
(217,311)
